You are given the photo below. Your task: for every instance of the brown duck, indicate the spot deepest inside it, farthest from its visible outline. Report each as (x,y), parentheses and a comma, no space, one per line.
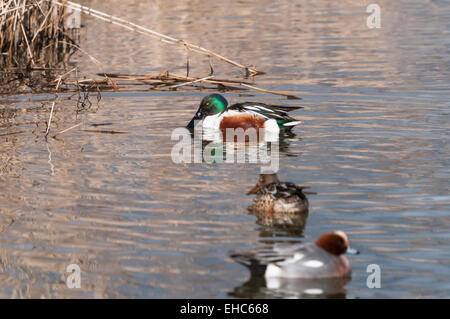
(278,198)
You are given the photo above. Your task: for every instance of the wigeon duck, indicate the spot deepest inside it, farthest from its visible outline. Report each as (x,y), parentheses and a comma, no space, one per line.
(322,259)
(216,114)
(278,198)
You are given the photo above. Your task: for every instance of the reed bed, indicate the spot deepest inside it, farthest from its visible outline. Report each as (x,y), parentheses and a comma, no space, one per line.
(33,44)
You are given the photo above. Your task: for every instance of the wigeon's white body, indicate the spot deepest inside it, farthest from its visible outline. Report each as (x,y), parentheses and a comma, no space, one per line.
(307,261)
(322,259)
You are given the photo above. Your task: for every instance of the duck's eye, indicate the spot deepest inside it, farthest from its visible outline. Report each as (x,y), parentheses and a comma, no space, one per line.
(207,103)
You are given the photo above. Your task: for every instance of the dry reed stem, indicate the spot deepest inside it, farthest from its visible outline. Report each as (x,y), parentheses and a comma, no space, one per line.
(41,27)
(54,102)
(13,133)
(28,45)
(289,96)
(53,106)
(67,129)
(188,83)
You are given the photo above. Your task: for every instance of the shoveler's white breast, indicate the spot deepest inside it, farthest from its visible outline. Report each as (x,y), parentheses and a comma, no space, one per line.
(213,121)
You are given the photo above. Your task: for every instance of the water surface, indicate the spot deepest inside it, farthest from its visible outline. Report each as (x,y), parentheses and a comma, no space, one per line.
(373,146)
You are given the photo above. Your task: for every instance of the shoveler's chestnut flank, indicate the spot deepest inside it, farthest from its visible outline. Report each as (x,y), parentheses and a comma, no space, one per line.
(216,114)
(322,259)
(244,121)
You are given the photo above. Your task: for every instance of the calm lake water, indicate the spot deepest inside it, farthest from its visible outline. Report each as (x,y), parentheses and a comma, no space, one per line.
(373,146)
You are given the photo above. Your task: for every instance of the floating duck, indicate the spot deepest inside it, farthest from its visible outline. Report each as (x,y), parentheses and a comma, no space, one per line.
(322,259)
(278,198)
(216,114)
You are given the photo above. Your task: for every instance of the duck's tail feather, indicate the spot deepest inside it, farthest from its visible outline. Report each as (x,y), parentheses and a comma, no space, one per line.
(291,124)
(256,261)
(250,260)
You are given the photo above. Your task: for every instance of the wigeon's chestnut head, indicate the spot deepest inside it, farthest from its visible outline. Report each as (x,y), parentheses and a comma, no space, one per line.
(335,243)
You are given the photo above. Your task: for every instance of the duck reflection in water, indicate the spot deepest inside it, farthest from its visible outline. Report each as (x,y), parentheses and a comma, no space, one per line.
(218,138)
(260,287)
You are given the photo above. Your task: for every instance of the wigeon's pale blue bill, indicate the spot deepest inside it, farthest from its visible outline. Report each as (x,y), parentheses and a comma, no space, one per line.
(352,251)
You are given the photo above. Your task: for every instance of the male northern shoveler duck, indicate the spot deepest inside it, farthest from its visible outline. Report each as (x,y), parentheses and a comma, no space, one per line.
(277,198)
(216,114)
(322,259)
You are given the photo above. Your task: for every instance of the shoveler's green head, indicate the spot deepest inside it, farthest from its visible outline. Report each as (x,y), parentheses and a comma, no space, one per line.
(211,104)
